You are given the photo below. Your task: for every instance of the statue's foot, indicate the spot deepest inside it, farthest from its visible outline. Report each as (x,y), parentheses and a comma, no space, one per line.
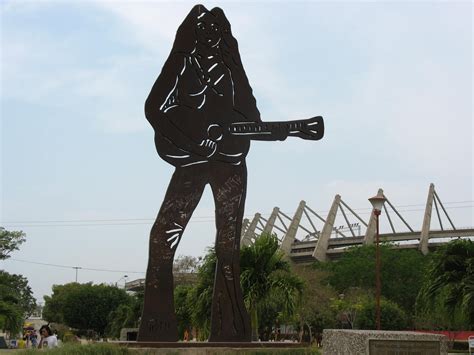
(158,328)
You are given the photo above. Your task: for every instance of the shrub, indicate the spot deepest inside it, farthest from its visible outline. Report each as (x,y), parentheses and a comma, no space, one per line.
(392,317)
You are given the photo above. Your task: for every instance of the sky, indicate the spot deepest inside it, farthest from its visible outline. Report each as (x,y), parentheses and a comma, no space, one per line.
(79,171)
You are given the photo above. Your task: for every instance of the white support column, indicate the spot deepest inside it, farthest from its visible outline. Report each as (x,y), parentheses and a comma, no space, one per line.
(372,227)
(271,221)
(250,232)
(290,235)
(425,229)
(323,240)
(245,225)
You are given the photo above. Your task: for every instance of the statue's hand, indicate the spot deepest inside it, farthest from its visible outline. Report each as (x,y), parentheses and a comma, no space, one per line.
(207,148)
(280,132)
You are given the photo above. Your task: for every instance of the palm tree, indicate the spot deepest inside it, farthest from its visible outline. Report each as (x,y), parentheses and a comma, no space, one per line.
(265,272)
(199,297)
(450,280)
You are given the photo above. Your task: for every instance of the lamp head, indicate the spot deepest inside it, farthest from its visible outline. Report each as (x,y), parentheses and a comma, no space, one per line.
(377,202)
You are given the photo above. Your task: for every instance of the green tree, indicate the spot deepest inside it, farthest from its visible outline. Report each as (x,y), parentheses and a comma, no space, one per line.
(57,302)
(449,285)
(266,283)
(402,273)
(183,308)
(16,298)
(10,241)
(315,310)
(126,315)
(11,317)
(392,316)
(16,301)
(265,271)
(84,306)
(200,296)
(186,264)
(16,288)
(347,306)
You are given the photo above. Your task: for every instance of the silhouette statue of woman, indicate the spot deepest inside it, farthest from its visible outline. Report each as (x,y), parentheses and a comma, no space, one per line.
(204,114)
(202,88)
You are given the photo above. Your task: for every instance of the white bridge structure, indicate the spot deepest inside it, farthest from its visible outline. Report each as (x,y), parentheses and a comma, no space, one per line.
(330,241)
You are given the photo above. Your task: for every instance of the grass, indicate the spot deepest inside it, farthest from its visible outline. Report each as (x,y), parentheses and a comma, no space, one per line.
(77,349)
(112,349)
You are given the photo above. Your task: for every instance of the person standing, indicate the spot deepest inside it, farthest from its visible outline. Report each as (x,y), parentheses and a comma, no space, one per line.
(48,339)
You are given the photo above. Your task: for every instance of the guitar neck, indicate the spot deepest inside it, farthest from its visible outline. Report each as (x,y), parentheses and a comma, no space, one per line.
(264,130)
(254,128)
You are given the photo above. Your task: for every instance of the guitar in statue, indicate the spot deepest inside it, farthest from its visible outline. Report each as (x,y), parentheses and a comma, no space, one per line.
(228,142)
(204,115)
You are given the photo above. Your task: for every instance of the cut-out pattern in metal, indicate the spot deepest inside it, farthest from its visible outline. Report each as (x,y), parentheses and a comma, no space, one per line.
(204,115)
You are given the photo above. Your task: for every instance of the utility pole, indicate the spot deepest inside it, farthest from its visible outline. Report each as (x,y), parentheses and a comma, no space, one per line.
(77,268)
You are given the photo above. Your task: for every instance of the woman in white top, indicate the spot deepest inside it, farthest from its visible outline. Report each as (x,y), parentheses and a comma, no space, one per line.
(48,339)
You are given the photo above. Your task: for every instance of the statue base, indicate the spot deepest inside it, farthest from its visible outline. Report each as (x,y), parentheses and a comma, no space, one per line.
(216,348)
(205,344)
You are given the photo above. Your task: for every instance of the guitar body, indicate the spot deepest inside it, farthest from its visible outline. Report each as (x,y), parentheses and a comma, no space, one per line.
(195,126)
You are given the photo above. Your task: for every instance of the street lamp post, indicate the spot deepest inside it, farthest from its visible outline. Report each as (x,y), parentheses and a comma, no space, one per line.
(377,203)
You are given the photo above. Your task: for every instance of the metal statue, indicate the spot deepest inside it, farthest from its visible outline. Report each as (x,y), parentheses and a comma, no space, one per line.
(204,115)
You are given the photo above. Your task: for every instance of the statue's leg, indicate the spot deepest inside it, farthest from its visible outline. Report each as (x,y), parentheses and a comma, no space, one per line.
(230,321)
(158,321)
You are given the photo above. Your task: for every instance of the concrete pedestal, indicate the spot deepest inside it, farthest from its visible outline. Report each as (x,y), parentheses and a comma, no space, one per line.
(373,342)
(213,348)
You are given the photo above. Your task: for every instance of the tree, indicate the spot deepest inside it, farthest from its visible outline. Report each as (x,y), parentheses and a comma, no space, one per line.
(11,318)
(200,296)
(16,298)
(347,306)
(183,309)
(315,308)
(16,301)
(402,273)
(186,264)
(392,317)
(265,278)
(57,302)
(84,306)
(10,241)
(449,285)
(15,287)
(126,315)
(265,271)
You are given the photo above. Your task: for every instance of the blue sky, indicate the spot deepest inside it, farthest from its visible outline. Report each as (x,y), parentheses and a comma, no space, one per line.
(393,81)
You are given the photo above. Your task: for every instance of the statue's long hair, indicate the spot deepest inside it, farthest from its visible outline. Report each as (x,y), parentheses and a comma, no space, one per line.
(185,43)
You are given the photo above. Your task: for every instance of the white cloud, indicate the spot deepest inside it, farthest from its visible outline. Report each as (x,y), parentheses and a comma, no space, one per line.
(151,23)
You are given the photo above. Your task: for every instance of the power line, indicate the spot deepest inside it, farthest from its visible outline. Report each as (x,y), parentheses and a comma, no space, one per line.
(196,219)
(93,220)
(92,223)
(74,267)
(422,209)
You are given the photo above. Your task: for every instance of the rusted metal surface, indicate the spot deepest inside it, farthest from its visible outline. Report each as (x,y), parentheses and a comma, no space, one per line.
(204,116)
